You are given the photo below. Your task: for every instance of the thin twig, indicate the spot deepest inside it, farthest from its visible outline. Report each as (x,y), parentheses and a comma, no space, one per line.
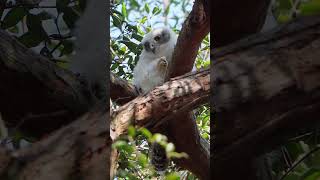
(298,162)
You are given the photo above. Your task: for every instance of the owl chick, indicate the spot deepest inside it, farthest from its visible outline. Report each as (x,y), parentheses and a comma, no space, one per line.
(151,69)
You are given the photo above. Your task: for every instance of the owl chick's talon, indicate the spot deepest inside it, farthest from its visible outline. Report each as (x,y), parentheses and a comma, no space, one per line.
(163,63)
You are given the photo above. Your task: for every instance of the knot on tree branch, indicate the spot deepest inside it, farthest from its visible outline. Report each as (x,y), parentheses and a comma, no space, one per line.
(198,15)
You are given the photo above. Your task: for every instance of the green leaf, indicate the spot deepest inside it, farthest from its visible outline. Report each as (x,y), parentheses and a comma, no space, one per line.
(35,26)
(117,22)
(146,133)
(166,12)
(70,17)
(124,10)
(170,147)
(131,45)
(177,155)
(282,18)
(156,10)
(13,29)
(311,174)
(134,3)
(143,20)
(119,144)
(137,37)
(159,138)
(62,5)
(13,17)
(114,66)
(284,5)
(30,39)
(292,177)
(310,8)
(173,176)
(142,160)
(131,131)
(67,47)
(146,7)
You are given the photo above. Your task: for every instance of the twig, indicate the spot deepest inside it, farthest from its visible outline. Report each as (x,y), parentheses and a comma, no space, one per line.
(297,163)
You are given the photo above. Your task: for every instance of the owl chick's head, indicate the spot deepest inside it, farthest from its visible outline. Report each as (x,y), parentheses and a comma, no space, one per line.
(158,39)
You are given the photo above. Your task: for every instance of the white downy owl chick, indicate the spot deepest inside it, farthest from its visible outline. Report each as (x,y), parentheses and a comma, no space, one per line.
(150,71)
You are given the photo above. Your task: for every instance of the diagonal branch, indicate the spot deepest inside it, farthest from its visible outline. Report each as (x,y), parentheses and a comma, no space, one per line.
(31,84)
(79,150)
(266,88)
(164,102)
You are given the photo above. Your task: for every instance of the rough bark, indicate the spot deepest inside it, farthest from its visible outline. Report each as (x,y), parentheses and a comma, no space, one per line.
(121,91)
(266,87)
(194,29)
(33,89)
(77,151)
(161,104)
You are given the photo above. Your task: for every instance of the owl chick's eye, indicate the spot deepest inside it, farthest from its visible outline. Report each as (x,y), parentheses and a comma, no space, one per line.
(157,38)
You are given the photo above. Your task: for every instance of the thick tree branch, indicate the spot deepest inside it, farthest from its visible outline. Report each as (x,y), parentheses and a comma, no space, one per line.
(265,88)
(164,102)
(194,29)
(77,151)
(121,91)
(31,84)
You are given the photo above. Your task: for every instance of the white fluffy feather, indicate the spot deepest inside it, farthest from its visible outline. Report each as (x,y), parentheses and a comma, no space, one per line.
(147,74)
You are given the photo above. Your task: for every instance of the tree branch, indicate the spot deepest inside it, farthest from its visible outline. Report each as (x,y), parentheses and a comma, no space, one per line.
(31,84)
(265,86)
(194,29)
(180,94)
(78,150)
(121,91)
